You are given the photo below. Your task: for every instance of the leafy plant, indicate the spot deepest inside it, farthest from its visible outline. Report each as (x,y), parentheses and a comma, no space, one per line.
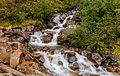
(99,26)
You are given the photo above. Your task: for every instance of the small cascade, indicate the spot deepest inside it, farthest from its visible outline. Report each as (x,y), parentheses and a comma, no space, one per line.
(36,39)
(58,63)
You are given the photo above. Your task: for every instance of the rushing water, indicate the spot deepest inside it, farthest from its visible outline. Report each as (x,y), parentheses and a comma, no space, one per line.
(86,68)
(36,39)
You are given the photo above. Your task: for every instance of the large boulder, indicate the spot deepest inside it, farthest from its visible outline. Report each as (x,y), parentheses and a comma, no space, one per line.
(62,38)
(47,38)
(96,57)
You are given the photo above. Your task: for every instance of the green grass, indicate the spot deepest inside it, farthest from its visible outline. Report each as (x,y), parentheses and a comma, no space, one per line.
(17,12)
(99,26)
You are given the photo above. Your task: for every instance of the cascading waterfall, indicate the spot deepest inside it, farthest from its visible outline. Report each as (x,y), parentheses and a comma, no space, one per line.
(59,64)
(36,38)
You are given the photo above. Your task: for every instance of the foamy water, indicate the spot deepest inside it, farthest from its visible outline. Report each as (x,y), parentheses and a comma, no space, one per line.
(36,39)
(86,68)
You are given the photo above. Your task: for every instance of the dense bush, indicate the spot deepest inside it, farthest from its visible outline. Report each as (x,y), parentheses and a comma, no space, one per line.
(99,28)
(16,12)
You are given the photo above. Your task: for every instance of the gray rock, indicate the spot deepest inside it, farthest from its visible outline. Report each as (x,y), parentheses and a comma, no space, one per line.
(20,39)
(60,63)
(96,57)
(57,19)
(75,66)
(72,59)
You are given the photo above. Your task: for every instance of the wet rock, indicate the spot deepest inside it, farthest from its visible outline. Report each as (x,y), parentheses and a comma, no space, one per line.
(75,66)
(57,19)
(85,53)
(62,17)
(51,25)
(50,57)
(71,56)
(69,53)
(47,38)
(72,59)
(41,58)
(96,57)
(60,63)
(89,55)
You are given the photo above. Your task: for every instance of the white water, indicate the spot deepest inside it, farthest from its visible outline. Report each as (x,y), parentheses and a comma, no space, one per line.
(37,40)
(86,68)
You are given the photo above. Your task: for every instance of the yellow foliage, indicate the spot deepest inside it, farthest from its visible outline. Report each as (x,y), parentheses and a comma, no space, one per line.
(5,24)
(116,50)
(29,22)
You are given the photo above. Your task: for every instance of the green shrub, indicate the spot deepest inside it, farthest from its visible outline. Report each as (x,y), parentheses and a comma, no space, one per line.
(99,26)
(15,12)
